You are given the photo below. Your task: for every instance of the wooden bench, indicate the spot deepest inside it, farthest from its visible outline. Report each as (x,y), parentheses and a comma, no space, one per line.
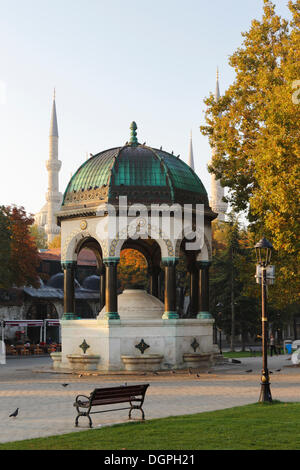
(132,394)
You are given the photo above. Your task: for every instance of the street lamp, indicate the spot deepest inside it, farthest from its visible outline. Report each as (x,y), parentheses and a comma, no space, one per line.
(263,251)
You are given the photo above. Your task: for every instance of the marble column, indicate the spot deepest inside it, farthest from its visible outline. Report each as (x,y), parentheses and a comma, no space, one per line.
(170,288)
(69,268)
(102,286)
(203,302)
(111,288)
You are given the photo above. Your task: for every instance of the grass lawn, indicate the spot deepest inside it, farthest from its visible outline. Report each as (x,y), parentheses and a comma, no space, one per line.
(238,354)
(259,426)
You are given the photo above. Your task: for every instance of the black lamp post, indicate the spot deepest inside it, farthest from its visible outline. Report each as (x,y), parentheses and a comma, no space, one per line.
(219,307)
(263,251)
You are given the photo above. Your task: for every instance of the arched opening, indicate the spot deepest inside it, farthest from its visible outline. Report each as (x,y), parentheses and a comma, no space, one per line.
(91,275)
(145,267)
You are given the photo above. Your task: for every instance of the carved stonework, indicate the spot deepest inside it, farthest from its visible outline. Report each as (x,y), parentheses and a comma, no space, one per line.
(142,346)
(88,195)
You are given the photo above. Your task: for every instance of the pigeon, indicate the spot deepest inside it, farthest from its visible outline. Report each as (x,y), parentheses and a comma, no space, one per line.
(15,413)
(270,372)
(198,375)
(278,370)
(65,385)
(250,370)
(80,375)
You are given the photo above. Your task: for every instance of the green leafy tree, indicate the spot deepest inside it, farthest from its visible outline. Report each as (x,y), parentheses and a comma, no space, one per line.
(234,295)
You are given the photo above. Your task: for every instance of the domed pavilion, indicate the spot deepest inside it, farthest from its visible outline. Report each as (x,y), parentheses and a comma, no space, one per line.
(108,206)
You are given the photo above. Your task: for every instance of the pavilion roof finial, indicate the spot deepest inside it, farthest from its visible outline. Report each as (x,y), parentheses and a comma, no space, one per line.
(133,137)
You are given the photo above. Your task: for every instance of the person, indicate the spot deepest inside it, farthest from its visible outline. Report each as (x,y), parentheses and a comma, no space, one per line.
(272,345)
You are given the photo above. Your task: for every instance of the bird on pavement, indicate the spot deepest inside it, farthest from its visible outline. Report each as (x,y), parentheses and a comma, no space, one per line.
(65,385)
(278,370)
(250,370)
(15,413)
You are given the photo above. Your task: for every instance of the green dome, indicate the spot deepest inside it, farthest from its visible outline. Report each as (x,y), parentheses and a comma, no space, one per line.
(143,174)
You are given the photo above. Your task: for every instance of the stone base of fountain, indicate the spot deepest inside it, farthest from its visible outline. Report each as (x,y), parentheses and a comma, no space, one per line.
(83,361)
(145,362)
(197,359)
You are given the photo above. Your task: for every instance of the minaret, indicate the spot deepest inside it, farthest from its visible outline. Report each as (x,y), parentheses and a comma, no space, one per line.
(53,165)
(191,154)
(217,191)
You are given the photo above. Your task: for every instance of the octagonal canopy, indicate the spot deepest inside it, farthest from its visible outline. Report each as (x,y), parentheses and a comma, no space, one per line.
(143,174)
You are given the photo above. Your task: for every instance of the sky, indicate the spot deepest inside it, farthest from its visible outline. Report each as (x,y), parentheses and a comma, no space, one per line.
(111,62)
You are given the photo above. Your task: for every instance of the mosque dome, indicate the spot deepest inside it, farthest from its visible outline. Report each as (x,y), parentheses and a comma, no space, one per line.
(57,281)
(144,174)
(91,282)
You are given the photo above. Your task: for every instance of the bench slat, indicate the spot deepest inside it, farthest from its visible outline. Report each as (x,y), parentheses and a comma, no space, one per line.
(117,392)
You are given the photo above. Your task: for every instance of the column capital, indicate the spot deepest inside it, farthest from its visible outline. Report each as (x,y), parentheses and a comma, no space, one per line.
(111,261)
(68,264)
(203,264)
(169,261)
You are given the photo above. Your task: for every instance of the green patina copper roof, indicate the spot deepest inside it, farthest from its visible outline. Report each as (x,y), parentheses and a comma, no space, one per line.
(141,173)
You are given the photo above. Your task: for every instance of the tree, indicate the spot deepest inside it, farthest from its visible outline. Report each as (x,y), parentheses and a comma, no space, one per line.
(255,129)
(5,248)
(224,278)
(132,269)
(23,256)
(39,236)
(56,242)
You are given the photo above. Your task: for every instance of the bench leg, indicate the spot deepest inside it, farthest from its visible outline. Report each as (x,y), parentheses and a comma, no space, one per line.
(136,408)
(83,414)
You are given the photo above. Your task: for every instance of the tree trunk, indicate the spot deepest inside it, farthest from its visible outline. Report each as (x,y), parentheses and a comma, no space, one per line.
(232,305)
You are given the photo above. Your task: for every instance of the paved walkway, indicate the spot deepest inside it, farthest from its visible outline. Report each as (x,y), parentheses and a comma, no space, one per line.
(46,407)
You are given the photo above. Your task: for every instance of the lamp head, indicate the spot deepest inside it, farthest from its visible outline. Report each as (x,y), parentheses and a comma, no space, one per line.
(263,250)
